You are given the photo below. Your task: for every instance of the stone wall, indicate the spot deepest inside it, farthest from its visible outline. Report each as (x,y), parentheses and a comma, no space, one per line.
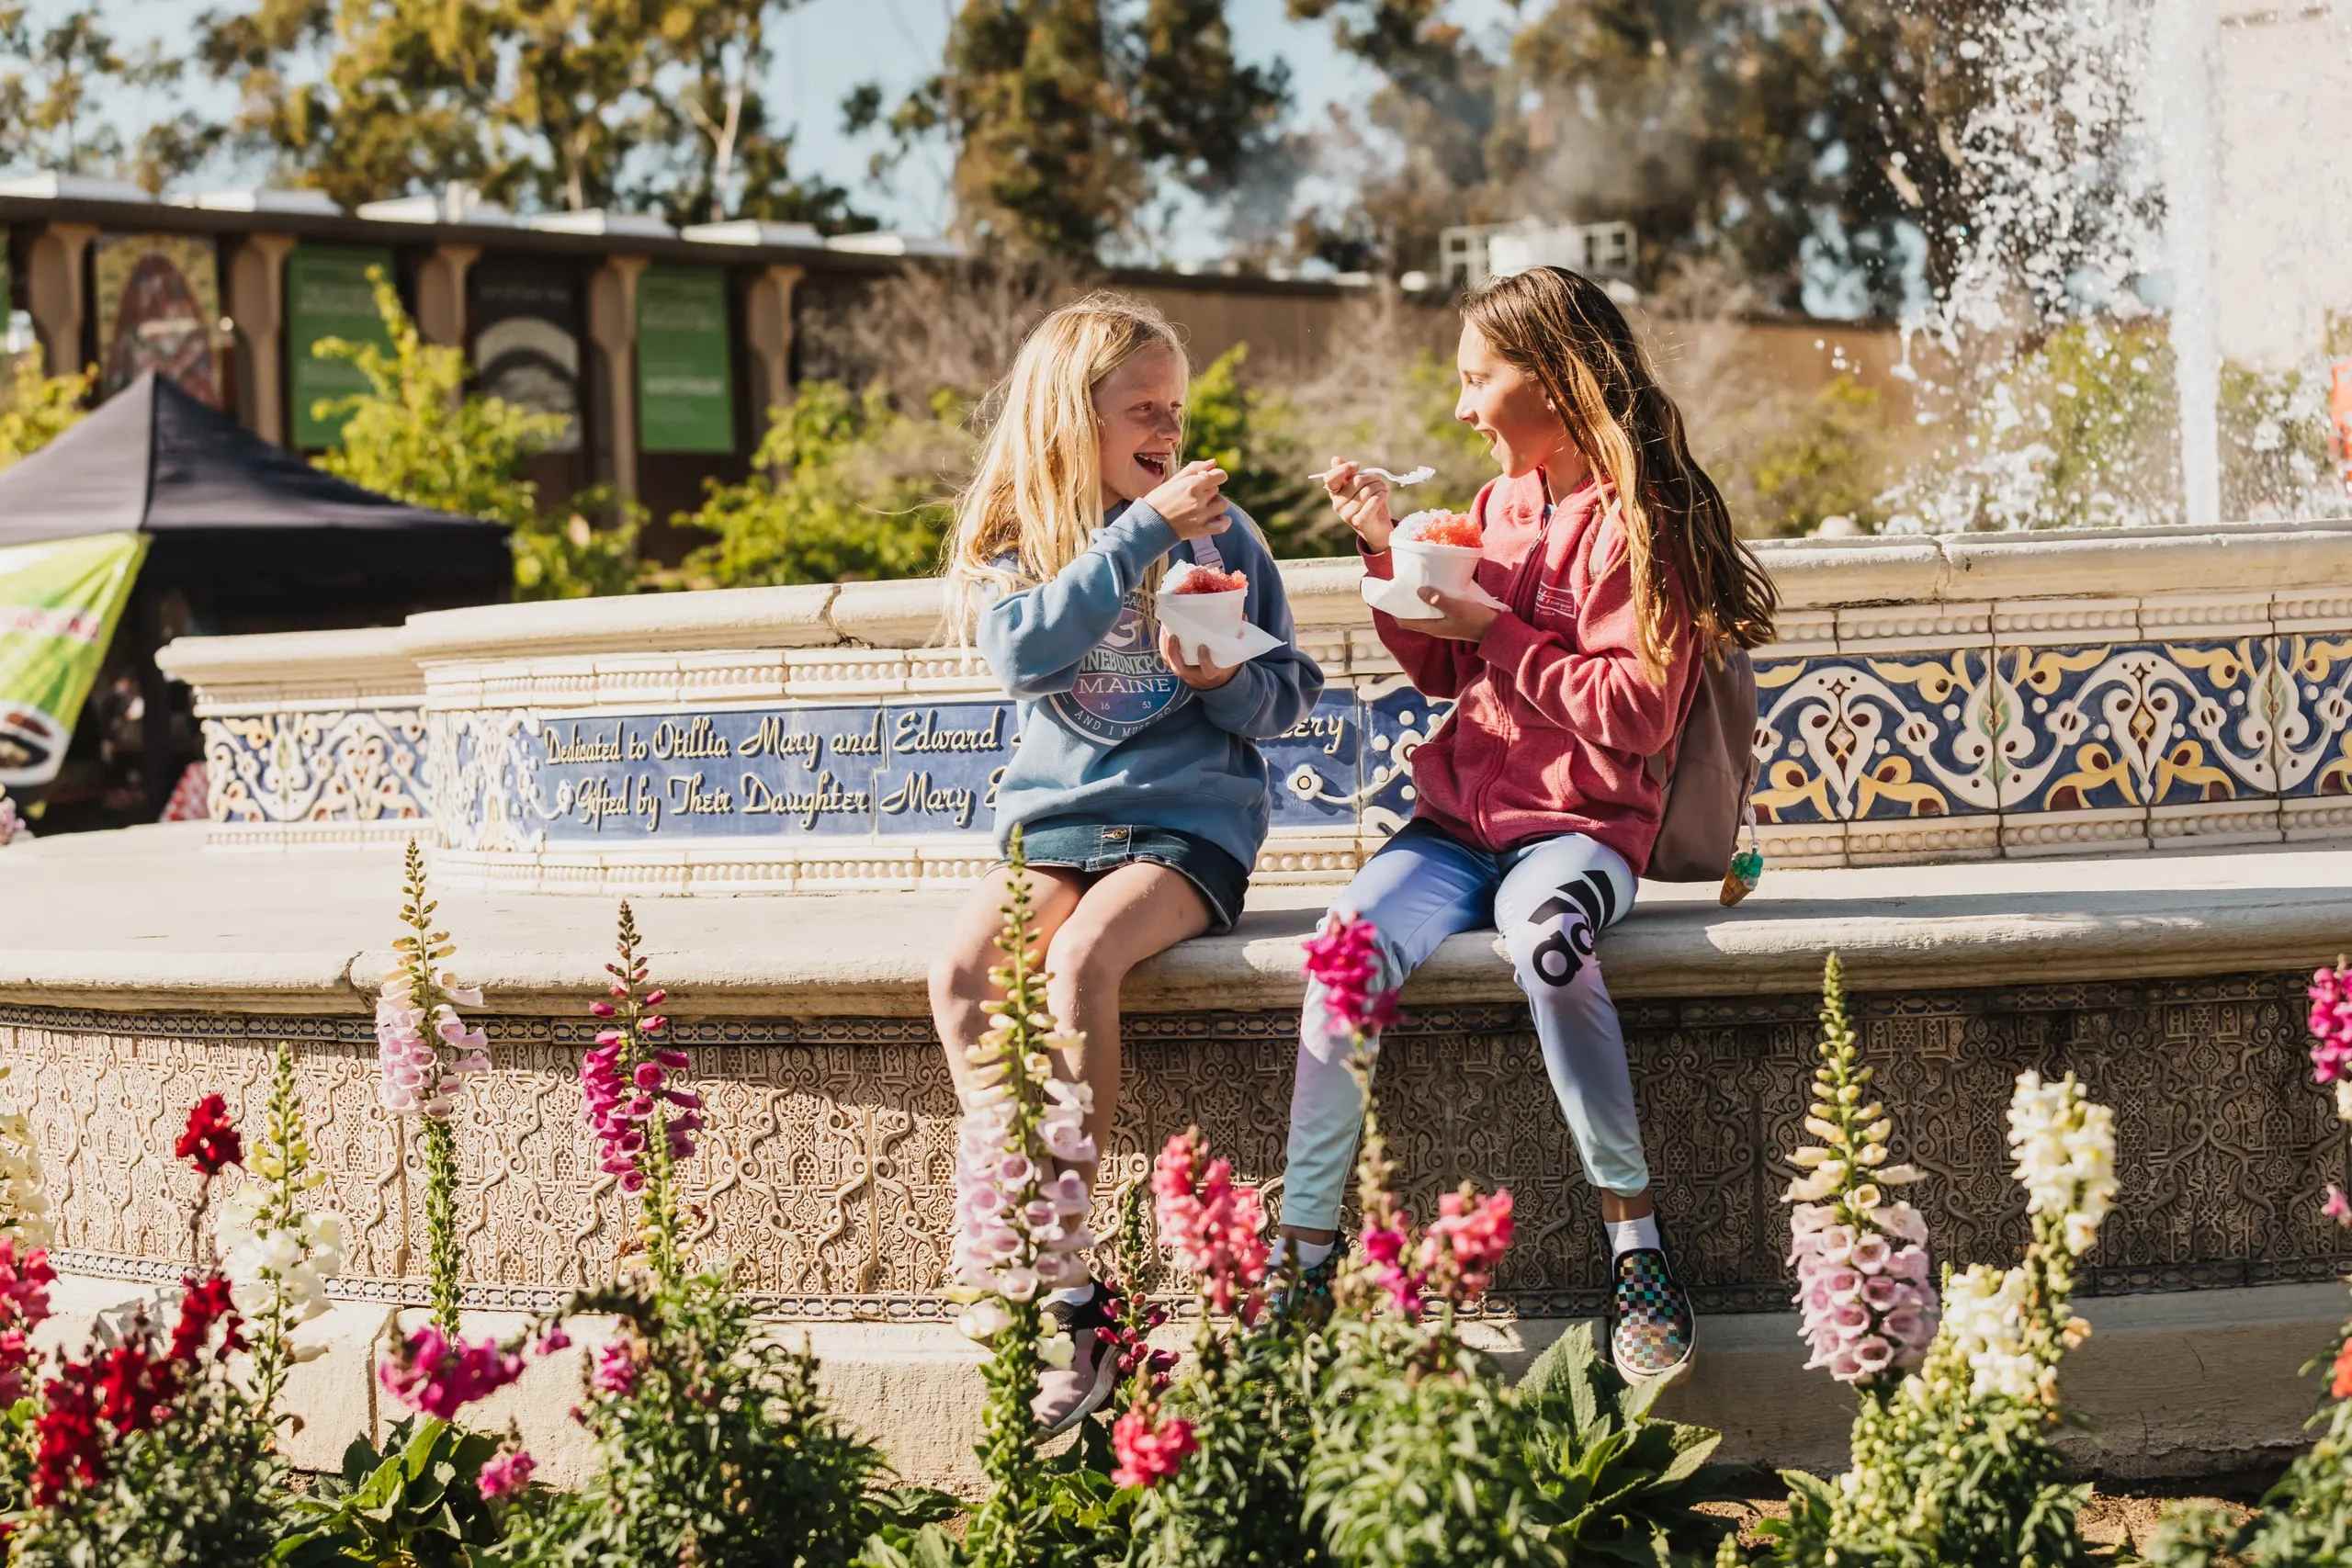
(827,1171)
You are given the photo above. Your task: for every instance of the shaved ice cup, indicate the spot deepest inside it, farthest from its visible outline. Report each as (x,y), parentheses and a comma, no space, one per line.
(1448,568)
(1198,620)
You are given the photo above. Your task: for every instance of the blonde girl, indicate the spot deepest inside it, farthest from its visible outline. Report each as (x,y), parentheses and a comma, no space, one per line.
(1137,781)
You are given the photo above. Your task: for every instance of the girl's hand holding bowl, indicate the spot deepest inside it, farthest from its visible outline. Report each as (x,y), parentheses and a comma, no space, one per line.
(1362,503)
(1192,499)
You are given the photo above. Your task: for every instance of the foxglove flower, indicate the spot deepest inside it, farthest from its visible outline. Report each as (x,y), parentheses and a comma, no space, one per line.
(1866,1309)
(423,1048)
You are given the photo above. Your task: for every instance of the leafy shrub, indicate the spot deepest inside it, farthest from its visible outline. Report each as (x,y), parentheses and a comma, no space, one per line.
(414,1503)
(845,487)
(37,408)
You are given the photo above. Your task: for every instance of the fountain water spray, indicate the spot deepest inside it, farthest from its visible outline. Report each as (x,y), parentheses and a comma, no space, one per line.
(2184,57)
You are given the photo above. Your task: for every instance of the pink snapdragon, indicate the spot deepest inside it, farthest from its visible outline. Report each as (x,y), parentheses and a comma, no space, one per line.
(436,1374)
(615,1368)
(1461,1250)
(1150,1446)
(2331,1025)
(507,1470)
(1344,957)
(25,1279)
(1214,1226)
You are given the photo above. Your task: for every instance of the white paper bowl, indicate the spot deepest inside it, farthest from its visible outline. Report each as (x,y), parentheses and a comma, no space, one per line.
(1448,568)
(1194,615)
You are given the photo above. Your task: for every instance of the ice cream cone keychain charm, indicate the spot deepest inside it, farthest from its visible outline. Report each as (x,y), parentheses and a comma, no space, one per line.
(1746,866)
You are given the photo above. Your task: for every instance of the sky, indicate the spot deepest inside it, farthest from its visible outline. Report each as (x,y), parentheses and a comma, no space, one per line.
(827,46)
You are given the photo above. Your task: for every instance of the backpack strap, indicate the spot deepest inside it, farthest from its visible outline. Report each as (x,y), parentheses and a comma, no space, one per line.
(1204,553)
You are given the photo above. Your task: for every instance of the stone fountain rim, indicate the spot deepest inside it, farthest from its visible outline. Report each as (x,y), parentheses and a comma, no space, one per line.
(1812,574)
(136,921)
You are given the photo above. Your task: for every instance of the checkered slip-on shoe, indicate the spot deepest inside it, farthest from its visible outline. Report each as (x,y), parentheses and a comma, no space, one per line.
(1652,1330)
(1312,1298)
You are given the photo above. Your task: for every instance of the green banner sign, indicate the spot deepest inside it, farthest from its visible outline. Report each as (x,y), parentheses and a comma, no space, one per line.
(686,374)
(328,295)
(59,604)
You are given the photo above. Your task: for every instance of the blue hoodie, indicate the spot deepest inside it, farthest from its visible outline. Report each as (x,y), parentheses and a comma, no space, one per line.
(1108,733)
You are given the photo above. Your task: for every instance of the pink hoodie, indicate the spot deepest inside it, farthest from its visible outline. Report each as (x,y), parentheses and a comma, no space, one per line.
(1553,720)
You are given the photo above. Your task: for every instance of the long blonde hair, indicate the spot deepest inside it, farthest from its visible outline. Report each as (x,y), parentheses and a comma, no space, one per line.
(1036,494)
(1563,330)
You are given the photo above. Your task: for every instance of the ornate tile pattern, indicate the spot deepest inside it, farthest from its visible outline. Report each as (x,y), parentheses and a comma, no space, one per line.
(1884,733)
(828,1171)
(362,765)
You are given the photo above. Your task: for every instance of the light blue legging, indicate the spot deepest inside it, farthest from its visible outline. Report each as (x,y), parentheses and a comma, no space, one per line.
(1550,899)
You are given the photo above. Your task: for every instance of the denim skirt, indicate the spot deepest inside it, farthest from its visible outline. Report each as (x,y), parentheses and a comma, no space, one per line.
(1221,880)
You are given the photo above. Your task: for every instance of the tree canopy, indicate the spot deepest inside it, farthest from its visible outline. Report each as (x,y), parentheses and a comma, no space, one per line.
(543,103)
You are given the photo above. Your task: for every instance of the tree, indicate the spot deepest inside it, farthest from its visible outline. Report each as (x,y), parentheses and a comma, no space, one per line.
(1816,145)
(567,104)
(37,408)
(713,144)
(62,88)
(1063,117)
(359,104)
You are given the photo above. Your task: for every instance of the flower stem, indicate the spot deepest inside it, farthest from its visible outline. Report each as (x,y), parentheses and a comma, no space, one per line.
(441,1220)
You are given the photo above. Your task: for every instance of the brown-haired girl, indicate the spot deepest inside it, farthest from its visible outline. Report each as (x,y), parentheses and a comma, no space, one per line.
(1608,569)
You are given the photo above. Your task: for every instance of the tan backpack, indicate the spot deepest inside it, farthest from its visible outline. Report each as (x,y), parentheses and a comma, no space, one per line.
(1708,778)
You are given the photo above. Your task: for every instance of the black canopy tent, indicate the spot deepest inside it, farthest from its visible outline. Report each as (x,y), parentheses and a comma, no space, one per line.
(242,535)
(241,520)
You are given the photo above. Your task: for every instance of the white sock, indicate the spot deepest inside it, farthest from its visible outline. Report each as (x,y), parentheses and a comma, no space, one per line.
(1625,1235)
(1076,1295)
(1309,1253)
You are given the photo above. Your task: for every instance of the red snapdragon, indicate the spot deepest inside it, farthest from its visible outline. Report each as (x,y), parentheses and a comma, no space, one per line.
(210,1142)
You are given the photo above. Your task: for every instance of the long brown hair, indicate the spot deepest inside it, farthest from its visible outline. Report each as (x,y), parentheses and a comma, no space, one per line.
(1562,329)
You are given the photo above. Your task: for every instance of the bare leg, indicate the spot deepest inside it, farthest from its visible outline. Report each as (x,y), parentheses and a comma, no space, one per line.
(961,991)
(1132,913)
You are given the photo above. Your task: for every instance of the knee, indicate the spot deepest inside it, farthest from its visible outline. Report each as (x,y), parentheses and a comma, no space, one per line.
(1081,959)
(1556,954)
(959,980)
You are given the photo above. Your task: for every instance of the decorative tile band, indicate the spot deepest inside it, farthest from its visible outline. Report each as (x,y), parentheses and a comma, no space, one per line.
(1918,733)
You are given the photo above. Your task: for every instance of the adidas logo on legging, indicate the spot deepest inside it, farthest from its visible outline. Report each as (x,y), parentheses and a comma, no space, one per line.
(1559,958)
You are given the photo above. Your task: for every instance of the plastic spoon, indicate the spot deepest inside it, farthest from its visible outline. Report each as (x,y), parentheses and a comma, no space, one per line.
(1414,477)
